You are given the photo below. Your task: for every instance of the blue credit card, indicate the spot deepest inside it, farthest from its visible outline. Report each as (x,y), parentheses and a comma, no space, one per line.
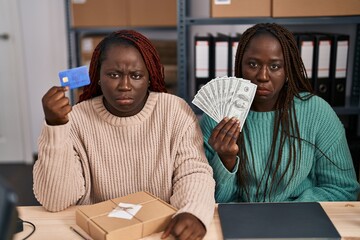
(75,77)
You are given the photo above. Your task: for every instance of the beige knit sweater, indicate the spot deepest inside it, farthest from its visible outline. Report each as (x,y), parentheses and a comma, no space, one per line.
(97,156)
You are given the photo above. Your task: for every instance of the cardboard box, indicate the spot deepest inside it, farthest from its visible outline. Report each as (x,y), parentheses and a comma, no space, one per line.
(153,217)
(87,46)
(240,8)
(167,50)
(99,13)
(315,8)
(159,13)
(170,72)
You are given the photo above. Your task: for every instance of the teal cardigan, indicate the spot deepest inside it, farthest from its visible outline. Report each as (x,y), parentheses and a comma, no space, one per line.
(324,173)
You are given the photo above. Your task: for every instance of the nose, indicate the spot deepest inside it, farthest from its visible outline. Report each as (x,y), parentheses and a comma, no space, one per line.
(263,74)
(124,83)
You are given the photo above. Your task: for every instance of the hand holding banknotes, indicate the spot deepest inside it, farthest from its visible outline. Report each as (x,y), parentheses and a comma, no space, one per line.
(223,141)
(227,100)
(56,106)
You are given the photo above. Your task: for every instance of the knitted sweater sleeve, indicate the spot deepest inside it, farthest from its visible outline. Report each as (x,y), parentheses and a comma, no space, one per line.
(57,173)
(226,189)
(335,176)
(333,171)
(193,184)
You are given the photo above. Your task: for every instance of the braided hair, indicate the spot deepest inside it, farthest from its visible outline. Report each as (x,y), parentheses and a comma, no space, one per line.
(285,124)
(125,37)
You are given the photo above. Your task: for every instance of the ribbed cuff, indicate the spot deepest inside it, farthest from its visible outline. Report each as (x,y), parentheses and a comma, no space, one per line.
(55,135)
(221,174)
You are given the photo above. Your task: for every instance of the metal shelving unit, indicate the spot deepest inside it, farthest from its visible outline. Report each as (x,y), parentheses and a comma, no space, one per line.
(185,22)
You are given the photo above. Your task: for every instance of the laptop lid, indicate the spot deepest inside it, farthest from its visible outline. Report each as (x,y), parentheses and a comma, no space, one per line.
(8,213)
(305,220)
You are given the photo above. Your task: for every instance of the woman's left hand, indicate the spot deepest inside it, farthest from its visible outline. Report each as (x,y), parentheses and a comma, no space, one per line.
(185,226)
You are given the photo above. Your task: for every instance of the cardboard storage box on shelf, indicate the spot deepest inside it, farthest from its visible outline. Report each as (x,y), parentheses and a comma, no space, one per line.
(170,72)
(153,216)
(120,13)
(87,46)
(159,13)
(240,8)
(315,8)
(99,13)
(167,50)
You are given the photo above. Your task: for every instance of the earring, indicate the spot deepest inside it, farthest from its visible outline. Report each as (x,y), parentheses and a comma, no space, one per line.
(99,82)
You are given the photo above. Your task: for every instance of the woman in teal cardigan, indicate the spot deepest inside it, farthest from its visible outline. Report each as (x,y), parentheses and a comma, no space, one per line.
(292,146)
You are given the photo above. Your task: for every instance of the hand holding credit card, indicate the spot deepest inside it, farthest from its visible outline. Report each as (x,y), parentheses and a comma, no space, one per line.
(75,77)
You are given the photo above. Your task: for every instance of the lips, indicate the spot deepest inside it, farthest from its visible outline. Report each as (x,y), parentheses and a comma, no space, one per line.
(262,91)
(124,100)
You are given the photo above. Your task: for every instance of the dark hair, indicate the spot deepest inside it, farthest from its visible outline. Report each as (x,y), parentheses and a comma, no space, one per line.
(285,123)
(125,37)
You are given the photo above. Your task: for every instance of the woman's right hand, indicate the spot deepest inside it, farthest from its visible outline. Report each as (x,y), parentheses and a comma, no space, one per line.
(223,140)
(56,106)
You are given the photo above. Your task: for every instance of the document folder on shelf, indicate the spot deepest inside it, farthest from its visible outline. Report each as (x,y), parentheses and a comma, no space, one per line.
(204,60)
(306,48)
(321,73)
(338,68)
(234,42)
(305,220)
(222,53)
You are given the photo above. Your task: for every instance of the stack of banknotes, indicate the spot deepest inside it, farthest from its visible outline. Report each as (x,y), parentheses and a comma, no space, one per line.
(226,97)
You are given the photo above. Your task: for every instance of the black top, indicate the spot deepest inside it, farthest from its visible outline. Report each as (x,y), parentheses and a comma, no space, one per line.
(8,213)
(276,221)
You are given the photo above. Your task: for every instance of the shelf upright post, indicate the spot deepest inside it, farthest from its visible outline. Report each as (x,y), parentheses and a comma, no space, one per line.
(182,51)
(69,32)
(70,42)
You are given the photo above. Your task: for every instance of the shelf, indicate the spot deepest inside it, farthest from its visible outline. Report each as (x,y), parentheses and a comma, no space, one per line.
(347,110)
(185,22)
(97,30)
(284,21)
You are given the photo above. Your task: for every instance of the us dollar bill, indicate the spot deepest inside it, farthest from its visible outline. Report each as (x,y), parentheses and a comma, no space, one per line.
(226,97)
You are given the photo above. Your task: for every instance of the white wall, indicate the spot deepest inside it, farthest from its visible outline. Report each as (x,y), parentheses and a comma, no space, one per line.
(45,53)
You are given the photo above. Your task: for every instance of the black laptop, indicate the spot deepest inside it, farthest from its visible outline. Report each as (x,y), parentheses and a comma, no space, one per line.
(305,220)
(8,213)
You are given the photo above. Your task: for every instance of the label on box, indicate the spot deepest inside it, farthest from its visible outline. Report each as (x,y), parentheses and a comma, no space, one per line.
(222,2)
(125,211)
(78,1)
(87,45)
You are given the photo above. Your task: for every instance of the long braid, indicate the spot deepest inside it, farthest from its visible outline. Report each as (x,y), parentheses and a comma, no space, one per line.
(285,116)
(125,37)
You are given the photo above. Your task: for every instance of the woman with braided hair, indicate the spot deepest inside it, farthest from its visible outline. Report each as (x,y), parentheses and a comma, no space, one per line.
(292,146)
(125,135)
